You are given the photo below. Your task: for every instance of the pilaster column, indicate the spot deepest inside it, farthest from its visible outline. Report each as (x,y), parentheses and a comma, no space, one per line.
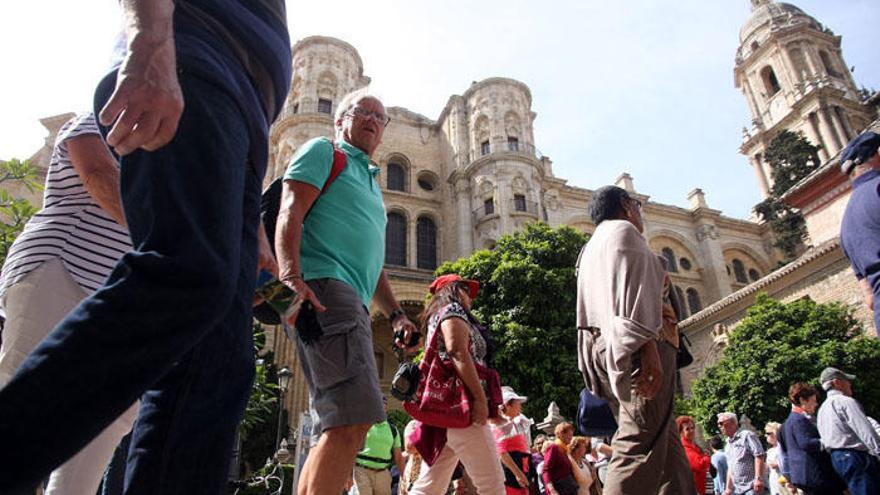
(503,195)
(762,176)
(808,56)
(815,134)
(827,131)
(714,270)
(465,229)
(838,126)
(411,241)
(825,118)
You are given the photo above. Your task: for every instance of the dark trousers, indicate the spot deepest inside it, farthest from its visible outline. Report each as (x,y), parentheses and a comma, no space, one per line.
(858,469)
(172,325)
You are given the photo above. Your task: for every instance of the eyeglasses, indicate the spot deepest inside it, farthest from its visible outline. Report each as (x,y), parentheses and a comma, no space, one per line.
(365,114)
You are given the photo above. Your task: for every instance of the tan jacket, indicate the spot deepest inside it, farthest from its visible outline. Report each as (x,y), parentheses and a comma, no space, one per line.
(620,286)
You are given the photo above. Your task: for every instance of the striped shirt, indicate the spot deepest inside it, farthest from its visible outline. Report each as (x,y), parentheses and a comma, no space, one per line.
(71,226)
(741,451)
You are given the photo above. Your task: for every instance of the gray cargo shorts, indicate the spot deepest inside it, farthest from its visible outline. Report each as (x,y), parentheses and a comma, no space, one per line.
(340,367)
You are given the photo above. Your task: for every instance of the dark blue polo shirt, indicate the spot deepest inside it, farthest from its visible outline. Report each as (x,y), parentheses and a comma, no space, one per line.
(860,233)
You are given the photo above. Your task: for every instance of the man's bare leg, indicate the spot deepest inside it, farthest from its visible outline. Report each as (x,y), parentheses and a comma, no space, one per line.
(329,464)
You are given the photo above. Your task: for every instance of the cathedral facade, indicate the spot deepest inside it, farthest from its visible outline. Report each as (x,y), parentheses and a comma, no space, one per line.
(456,183)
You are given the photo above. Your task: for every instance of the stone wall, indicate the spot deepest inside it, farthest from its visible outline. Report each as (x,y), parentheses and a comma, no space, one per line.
(822,274)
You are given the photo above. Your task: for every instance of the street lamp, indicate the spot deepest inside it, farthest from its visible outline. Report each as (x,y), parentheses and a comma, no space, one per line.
(284,375)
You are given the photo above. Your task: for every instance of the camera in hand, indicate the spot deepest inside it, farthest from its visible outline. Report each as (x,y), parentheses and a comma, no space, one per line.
(413,338)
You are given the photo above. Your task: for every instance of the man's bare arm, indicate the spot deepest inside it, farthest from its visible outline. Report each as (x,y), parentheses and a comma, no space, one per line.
(296,199)
(867,293)
(98,171)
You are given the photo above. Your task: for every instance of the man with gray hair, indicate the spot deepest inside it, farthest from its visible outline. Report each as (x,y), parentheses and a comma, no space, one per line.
(848,435)
(627,353)
(330,242)
(745,457)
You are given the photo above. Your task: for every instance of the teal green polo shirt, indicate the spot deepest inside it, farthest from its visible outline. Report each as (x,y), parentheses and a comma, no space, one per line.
(343,235)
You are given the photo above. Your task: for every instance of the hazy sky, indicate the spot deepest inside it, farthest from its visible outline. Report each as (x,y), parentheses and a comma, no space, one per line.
(643,86)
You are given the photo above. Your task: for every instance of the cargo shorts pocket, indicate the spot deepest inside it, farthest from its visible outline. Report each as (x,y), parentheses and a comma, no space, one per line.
(335,358)
(337,355)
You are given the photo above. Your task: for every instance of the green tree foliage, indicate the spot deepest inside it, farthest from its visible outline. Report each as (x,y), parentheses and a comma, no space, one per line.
(14,212)
(258,428)
(527,300)
(787,225)
(778,344)
(791,158)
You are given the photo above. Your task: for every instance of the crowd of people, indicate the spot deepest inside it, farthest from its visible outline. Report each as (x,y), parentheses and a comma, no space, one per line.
(129,295)
(815,451)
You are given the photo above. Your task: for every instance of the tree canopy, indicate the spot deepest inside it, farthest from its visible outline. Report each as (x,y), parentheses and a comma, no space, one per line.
(14,212)
(791,158)
(527,300)
(778,344)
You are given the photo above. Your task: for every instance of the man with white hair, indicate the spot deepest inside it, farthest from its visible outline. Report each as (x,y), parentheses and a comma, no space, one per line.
(848,435)
(330,242)
(745,457)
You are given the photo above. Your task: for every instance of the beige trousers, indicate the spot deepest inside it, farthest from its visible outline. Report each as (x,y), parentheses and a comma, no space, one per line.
(475,447)
(34,305)
(370,482)
(647,457)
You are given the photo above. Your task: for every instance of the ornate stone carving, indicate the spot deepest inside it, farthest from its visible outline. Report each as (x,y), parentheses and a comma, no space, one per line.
(553,418)
(707,231)
(551,200)
(720,334)
(484,185)
(519,184)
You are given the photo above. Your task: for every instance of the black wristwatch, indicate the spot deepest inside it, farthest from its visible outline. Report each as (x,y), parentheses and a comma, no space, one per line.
(397,313)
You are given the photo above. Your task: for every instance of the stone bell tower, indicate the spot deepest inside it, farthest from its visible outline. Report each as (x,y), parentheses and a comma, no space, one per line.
(792,73)
(324,71)
(498,170)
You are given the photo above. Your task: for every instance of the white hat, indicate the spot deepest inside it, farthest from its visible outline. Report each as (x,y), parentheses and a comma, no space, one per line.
(508,394)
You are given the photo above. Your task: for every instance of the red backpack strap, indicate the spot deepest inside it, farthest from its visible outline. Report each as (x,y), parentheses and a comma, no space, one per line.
(339,161)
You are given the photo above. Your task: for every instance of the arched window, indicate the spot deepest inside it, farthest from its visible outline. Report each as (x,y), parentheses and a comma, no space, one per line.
(396,177)
(829,65)
(395,240)
(754,275)
(426,243)
(799,61)
(680,295)
(694,300)
(671,265)
(739,272)
(325,105)
(771,84)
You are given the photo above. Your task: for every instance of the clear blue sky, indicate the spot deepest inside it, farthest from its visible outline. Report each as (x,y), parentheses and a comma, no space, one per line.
(644,86)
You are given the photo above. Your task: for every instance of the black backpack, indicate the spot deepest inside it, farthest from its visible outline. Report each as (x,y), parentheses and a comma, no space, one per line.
(270,206)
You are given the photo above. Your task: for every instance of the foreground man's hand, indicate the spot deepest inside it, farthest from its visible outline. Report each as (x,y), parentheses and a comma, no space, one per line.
(147,103)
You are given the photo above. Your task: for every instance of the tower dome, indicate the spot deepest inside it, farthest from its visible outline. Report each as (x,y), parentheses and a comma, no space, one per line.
(792,73)
(768,15)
